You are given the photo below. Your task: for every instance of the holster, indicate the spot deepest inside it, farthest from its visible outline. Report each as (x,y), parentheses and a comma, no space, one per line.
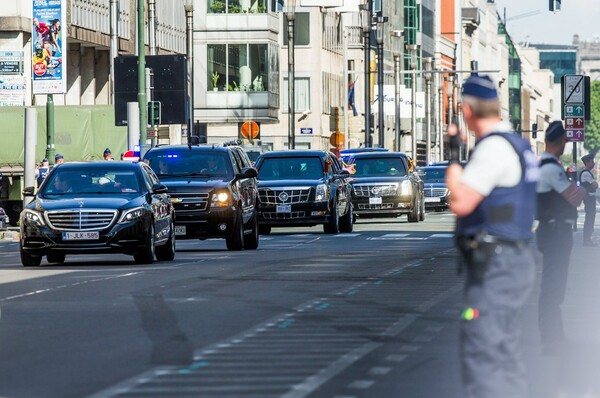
(476,256)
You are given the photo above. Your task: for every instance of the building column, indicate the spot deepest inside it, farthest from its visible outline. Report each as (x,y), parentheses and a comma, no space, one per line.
(88,77)
(102,72)
(73,95)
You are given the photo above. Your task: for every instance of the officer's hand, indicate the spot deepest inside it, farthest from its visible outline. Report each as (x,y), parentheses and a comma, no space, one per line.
(455,141)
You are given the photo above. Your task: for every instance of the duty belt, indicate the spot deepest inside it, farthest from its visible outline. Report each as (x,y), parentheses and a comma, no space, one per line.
(557,221)
(473,240)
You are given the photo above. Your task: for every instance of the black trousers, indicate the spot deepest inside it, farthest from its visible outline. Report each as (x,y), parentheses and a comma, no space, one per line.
(589,203)
(555,242)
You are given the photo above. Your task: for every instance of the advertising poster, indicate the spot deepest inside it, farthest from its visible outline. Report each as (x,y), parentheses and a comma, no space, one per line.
(12,90)
(49,47)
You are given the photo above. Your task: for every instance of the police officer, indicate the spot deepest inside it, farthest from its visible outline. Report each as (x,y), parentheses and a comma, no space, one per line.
(58,159)
(107,155)
(493,198)
(558,199)
(589,183)
(42,171)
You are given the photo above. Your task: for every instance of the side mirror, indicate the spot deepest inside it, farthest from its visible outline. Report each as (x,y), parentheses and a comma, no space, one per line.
(28,191)
(247,172)
(159,188)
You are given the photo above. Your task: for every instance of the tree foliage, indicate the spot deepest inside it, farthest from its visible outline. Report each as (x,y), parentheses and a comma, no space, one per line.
(592,129)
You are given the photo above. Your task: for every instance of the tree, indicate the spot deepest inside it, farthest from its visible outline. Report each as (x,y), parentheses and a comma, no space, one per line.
(592,130)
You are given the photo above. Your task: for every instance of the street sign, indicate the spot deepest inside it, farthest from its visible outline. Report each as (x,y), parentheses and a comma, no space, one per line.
(574,110)
(250,130)
(306,130)
(574,89)
(574,122)
(575,135)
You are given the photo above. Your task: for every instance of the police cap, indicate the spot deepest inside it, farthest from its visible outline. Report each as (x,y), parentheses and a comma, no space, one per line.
(58,156)
(44,160)
(480,86)
(555,131)
(107,151)
(588,158)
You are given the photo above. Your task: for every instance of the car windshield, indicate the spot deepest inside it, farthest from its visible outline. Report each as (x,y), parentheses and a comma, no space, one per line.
(292,168)
(433,175)
(379,167)
(190,164)
(91,181)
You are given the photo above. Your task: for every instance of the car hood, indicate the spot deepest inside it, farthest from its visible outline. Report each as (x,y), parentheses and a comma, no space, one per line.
(435,185)
(103,202)
(374,180)
(193,185)
(289,183)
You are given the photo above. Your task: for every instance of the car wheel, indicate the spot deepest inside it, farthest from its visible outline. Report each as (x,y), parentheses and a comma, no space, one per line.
(264,229)
(166,252)
(236,240)
(146,255)
(251,240)
(347,221)
(30,260)
(422,213)
(413,216)
(57,258)
(333,226)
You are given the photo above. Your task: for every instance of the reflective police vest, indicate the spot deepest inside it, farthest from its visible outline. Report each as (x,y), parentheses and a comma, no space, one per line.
(42,173)
(507,212)
(552,206)
(586,185)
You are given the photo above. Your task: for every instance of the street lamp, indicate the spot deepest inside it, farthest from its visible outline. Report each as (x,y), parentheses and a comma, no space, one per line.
(413,48)
(379,39)
(397,59)
(189,19)
(365,23)
(428,77)
(290,14)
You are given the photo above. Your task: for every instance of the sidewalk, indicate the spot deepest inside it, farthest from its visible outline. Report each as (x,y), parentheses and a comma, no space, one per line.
(11,234)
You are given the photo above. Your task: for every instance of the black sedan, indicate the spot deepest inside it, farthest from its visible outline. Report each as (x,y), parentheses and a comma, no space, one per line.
(98,207)
(437,195)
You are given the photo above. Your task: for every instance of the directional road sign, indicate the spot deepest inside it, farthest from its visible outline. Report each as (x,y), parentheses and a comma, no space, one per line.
(575,135)
(577,110)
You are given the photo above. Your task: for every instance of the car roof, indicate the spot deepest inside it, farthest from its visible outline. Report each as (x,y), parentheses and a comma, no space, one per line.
(295,153)
(99,164)
(432,168)
(362,155)
(194,148)
(362,150)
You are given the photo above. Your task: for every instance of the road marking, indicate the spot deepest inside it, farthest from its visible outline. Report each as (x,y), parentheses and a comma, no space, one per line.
(361,384)
(379,370)
(442,236)
(10,276)
(396,357)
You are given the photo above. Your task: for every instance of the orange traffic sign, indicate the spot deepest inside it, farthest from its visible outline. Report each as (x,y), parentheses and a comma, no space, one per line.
(337,139)
(250,130)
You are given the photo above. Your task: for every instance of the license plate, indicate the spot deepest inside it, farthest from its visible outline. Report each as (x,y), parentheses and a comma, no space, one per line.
(375,201)
(284,209)
(180,230)
(432,200)
(92,235)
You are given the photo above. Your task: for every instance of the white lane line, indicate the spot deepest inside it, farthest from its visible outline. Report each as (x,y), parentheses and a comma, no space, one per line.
(361,384)
(394,235)
(441,236)
(345,235)
(10,276)
(379,370)
(396,357)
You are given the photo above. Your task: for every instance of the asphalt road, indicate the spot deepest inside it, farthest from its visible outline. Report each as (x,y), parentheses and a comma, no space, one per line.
(373,313)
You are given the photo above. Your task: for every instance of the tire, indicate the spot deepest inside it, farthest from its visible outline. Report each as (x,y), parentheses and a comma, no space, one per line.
(29,260)
(57,258)
(251,240)
(333,226)
(413,216)
(347,221)
(236,241)
(146,255)
(264,229)
(422,213)
(166,252)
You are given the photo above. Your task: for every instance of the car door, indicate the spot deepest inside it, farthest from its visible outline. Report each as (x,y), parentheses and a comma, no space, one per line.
(341,185)
(242,185)
(160,204)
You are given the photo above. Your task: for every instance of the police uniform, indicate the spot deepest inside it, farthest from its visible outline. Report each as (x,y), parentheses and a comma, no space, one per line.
(555,240)
(586,178)
(42,172)
(493,240)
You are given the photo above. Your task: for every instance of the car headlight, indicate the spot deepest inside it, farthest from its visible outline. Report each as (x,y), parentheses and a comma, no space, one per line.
(322,193)
(131,215)
(221,199)
(34,217)
(406,188)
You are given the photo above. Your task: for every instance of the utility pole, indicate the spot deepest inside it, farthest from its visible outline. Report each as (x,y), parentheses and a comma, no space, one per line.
(114,44)
(50,151)
(142,101)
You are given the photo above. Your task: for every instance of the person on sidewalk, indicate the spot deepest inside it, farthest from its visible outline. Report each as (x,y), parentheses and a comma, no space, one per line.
(557,199)
(589,183)
(107,155)
(493,198)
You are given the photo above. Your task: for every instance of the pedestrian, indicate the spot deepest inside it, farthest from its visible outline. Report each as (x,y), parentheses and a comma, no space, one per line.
(589,183)
(42,171)
(107,155)
(493,198)
(557,199)
(58,159)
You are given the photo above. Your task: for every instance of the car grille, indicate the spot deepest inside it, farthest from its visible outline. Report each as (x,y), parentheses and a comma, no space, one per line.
(382,206)
(282,216)
(435,192)
(81,220)
(273,196)
(375,190)
(189,201)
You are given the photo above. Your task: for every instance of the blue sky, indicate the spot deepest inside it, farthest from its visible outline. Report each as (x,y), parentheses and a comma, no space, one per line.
(542,26)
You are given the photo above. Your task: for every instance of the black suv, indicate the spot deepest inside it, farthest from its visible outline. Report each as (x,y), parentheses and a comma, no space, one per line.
(383,185)
(303,188)
(213,190)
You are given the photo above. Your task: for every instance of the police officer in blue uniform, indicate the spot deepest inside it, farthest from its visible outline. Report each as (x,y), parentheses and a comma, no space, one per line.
(493,198)
(557,199)
(42,171)
(589,183)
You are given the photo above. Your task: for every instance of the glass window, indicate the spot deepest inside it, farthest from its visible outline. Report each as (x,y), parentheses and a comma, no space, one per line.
(237,6)
(379,167)
(433,175)
(293,168)
(301,29)
(190,164)
(216,6)
(92,181)
(238,67)
(302,94)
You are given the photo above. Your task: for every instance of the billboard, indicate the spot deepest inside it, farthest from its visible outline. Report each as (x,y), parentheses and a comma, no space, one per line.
(49,47)
(389,101)
(12,90)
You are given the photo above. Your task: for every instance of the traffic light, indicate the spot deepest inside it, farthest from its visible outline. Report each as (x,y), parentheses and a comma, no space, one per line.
(154,113)
(554,5)
(534,128)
